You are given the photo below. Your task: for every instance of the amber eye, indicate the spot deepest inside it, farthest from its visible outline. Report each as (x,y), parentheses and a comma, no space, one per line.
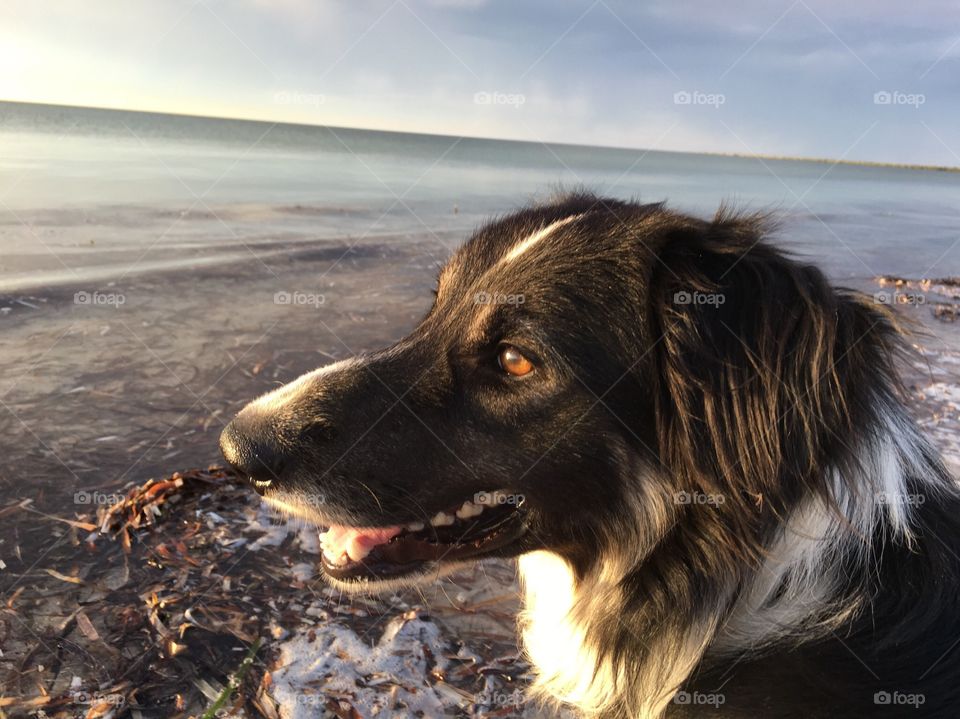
(513,362)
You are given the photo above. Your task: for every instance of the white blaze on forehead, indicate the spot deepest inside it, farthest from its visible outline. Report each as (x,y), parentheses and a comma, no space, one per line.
(277,398)
(529,242)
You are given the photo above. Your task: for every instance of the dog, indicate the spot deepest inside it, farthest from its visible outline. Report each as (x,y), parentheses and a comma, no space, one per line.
(697,448)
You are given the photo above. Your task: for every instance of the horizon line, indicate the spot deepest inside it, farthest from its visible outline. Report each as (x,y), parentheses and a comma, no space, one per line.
(739,155)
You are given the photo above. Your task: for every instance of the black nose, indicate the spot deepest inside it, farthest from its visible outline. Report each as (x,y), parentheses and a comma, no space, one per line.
(253,453)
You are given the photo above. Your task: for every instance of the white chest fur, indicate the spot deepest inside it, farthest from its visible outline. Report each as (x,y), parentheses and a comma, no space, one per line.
(554,638)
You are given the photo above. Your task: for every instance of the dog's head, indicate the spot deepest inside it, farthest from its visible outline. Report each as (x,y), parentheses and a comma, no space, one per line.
(585,366)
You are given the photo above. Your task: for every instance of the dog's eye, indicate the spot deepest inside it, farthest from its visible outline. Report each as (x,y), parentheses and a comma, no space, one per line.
(513,362)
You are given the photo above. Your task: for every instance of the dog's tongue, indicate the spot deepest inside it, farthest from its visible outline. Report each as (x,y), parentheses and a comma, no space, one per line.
(354,542)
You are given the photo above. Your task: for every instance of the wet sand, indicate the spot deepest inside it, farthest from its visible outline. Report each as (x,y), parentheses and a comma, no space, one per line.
(108,382)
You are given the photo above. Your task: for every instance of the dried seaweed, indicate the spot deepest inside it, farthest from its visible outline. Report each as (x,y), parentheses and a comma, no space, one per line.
(145,607)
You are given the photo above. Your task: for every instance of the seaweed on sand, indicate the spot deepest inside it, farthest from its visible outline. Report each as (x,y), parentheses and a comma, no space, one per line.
(148,608)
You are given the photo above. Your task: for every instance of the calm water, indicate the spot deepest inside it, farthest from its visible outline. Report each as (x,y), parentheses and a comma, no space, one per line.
(102,194)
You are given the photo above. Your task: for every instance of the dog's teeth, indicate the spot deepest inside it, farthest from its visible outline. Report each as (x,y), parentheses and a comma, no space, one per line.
(442,519)
(415,526)
(336,561)
(468,510)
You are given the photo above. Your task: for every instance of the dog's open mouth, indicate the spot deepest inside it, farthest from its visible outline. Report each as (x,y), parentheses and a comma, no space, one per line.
(468,531)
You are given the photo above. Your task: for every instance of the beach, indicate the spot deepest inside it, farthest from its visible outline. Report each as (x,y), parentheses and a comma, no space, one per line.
(157,273)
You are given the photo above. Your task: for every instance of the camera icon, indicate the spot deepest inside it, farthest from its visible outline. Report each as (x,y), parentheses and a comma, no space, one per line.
(482,298)
(482,98)
(681,698)
(82,497)
(482,498)
(282,298)
(81,298)
(682,298)
(882,698)
(883,298)
(882,97)
(682,98)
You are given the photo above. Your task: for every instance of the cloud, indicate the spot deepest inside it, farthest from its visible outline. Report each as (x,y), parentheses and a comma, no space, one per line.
(796,78)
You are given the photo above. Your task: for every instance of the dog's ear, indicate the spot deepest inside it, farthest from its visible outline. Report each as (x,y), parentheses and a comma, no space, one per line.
(757,369)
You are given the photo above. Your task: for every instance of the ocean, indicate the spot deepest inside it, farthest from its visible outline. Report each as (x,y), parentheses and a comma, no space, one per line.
(90,194)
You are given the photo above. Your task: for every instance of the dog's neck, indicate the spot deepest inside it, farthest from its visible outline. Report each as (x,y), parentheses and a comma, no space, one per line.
(584,631)
(809,581)
(560,637)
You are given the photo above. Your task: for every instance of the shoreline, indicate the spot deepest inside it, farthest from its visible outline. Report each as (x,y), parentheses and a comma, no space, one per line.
(213,258)
(830,161)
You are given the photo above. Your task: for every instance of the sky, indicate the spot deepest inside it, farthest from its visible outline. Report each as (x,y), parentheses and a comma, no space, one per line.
(876,81)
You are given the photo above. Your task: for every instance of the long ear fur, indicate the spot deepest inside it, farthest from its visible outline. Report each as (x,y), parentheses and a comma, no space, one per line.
(762,370)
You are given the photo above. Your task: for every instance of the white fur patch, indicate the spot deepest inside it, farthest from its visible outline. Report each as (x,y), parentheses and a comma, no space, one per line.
(795,592)
(566,666)
(554,625)
(530,242)
(276,399)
